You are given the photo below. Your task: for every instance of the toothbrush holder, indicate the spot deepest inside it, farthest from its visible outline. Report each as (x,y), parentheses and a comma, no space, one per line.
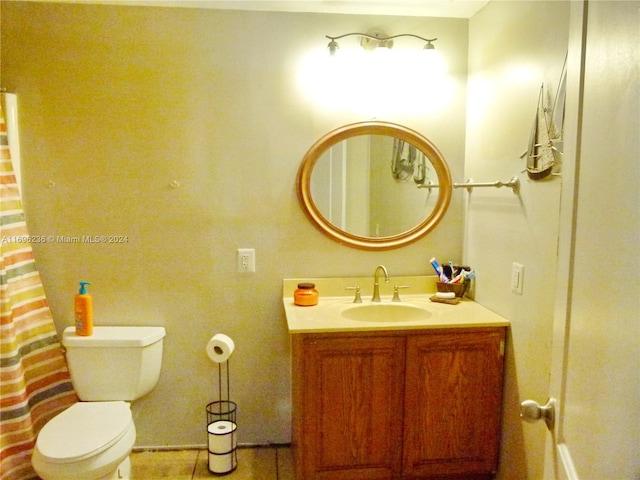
(457,288)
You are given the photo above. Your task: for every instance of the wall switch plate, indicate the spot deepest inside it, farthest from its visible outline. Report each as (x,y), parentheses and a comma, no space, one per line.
(246,260)
(517,278)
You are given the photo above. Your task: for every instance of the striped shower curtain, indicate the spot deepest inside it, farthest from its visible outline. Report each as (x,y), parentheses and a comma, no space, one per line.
(34,380)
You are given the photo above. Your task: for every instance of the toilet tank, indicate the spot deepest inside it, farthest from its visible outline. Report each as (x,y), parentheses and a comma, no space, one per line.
(115,363)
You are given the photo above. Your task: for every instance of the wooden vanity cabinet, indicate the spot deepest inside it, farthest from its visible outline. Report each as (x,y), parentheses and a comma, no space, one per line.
(347,406)
(453,398)
(397,405)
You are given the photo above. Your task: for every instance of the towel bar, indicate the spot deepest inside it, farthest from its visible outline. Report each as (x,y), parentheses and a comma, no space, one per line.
(513,184)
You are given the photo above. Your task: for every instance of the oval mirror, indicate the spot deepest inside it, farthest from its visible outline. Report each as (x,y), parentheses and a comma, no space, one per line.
(374,185)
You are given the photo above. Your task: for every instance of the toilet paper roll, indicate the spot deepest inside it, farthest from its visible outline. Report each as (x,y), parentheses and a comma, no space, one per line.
(220,348)
(223,463)
(222,436)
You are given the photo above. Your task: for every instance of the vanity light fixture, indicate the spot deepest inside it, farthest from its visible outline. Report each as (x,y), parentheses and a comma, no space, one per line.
(373,40)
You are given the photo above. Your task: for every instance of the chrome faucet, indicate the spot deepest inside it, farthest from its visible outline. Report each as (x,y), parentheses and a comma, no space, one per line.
(376,285)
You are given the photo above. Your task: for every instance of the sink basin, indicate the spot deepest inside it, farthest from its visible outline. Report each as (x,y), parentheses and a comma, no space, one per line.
(385,312)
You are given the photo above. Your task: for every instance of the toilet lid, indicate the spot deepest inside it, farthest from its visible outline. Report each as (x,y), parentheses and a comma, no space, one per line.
(83,430)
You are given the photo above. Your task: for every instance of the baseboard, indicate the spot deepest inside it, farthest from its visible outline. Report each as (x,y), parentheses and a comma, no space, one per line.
(173,448)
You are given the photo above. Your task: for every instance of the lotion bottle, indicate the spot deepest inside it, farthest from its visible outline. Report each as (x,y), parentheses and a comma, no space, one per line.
(84,311)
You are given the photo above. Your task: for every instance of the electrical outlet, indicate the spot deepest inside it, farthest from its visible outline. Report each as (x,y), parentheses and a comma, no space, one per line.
(246,260)
(517,278)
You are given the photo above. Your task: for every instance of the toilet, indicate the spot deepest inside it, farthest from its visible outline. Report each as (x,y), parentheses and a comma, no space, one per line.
(92,439)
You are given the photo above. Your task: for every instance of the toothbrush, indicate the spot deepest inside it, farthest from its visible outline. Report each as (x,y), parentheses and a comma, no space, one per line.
(459,278)
(454,271)
(443,277)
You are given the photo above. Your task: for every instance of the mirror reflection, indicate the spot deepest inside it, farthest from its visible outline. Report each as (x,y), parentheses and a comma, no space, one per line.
(367,185)
(359,185)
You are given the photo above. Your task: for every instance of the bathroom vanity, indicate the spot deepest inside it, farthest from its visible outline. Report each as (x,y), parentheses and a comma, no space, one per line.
(381,392)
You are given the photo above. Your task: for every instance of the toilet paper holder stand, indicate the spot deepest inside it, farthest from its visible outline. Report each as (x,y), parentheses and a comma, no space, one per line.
(222,427)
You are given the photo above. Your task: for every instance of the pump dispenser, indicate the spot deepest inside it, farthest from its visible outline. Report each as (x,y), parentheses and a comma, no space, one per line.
(84,311)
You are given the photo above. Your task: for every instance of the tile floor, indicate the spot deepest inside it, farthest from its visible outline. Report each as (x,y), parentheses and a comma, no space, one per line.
(259,463)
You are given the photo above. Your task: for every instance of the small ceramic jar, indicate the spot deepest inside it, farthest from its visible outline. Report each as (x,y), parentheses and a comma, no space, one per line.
(306,295)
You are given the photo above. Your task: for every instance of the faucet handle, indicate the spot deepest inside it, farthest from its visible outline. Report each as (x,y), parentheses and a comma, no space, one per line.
(358,298)
(396,292)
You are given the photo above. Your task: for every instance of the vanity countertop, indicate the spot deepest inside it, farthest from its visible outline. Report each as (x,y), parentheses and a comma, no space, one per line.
(326,316)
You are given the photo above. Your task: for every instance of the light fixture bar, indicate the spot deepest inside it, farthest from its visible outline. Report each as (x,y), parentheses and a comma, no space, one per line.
(384,41)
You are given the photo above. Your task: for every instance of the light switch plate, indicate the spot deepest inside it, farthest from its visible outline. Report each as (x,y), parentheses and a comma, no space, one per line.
(517,278)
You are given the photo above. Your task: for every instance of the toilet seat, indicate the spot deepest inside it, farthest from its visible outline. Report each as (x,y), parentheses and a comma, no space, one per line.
(88,428)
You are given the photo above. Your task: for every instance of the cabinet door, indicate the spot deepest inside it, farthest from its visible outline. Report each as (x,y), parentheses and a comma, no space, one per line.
(352,408)
(453,403)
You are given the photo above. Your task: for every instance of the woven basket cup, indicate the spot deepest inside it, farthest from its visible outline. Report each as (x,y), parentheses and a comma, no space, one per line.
(457,288)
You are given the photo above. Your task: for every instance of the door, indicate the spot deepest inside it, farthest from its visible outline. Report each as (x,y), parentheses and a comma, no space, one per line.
(595,346)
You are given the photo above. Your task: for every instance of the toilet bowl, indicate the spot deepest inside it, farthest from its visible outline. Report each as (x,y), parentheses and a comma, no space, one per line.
(92,439)
(87,441)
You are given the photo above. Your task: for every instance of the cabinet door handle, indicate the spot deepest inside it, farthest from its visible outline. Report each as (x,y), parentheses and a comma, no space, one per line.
(531,411)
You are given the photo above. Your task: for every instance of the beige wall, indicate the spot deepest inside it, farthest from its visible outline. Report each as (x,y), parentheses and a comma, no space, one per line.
(118,102)
(514,47)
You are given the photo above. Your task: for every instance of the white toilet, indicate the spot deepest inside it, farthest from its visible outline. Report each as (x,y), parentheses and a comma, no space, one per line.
(92,439)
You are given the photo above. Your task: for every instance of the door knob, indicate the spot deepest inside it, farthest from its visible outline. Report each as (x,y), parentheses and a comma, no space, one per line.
(531,411)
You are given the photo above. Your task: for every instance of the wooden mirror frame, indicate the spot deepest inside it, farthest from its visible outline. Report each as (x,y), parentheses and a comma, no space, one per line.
(303,185)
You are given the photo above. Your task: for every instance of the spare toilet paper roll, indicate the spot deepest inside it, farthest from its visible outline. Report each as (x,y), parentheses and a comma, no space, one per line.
(220,348)
(223,463)
(222,446)
(222,436)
